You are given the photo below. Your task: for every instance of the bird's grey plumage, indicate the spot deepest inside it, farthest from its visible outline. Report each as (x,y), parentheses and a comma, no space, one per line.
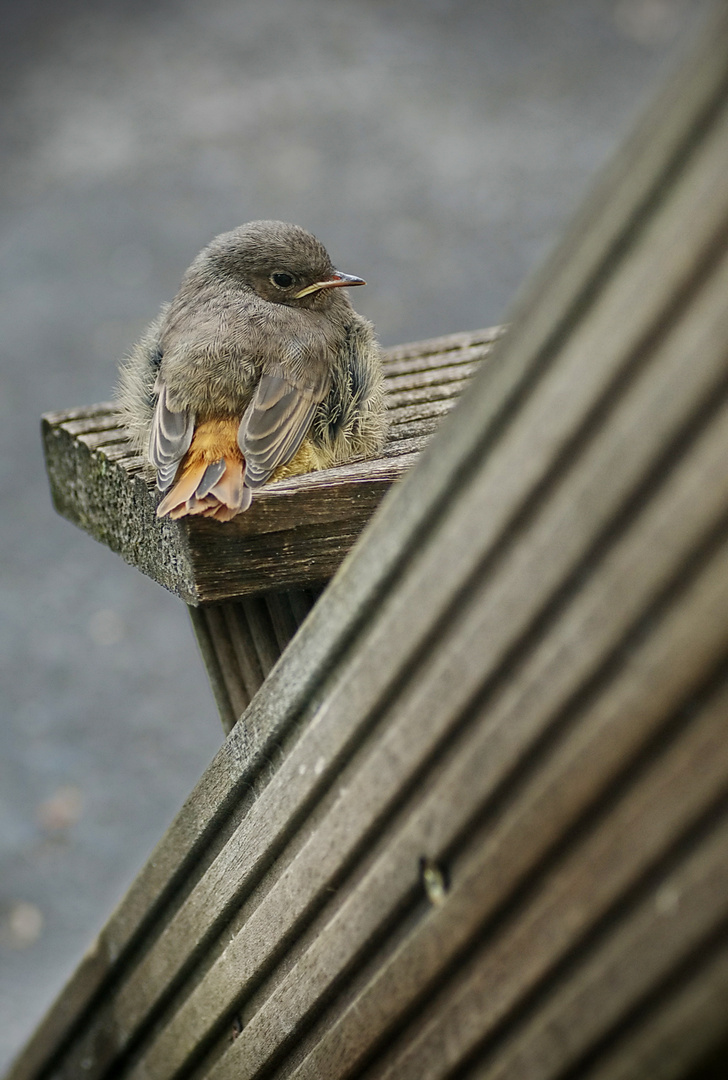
(276,422)
(238,340)
(351,420)
(170,436)
(135,394)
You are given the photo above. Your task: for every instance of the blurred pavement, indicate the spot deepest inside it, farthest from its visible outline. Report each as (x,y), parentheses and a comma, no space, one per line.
(436,147)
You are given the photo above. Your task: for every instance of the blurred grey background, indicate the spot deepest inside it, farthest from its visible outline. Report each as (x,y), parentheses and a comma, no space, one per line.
(435,147)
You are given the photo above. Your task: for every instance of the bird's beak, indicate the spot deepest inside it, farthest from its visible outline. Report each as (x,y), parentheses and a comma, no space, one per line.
(336,281)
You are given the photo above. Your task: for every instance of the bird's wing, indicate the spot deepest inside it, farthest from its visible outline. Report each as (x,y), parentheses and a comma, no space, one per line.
(276,421)
(170,436)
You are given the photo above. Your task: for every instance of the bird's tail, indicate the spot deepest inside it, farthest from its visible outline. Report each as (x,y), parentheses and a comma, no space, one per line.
(210,479)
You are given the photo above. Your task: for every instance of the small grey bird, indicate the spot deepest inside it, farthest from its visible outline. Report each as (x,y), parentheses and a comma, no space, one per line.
(259,369)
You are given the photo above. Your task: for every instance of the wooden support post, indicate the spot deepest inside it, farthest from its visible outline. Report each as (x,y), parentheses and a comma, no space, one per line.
(241,640)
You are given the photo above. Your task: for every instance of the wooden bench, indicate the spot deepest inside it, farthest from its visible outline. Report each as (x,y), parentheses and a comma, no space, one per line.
(474,822)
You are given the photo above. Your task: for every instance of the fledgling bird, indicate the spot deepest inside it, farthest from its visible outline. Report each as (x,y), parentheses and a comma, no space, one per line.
(259,369)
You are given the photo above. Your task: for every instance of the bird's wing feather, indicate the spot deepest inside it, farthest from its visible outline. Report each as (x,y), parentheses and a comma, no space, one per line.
(276,421)
(170,436)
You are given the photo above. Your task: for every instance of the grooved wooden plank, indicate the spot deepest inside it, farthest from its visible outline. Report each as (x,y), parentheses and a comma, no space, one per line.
(575,894)
(99,423)
(684,1026)
(464,343)
(441,376)
(638,953)
(228,659)
(428,394)
(419,429)
(409,412)
(287,611)
(261,632)
(207,642)
(98,440)
(241,639)
(399,445)
(607,738)
(134,464)
(102,409)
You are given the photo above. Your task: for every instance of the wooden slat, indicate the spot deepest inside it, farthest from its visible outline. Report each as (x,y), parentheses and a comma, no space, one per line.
(296,533)
(217,656)
(413,355)
(644,948)
(475,821)
(580,769)
(241,641)
(667,1037)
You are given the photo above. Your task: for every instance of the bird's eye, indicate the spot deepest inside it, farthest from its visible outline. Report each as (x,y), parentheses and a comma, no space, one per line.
(283,281)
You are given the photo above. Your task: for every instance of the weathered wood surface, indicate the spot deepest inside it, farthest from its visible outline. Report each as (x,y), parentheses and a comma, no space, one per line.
(475,822)
(297,531)
(241,641)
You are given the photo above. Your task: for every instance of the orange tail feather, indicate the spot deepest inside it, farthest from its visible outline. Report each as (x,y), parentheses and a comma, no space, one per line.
(215,448)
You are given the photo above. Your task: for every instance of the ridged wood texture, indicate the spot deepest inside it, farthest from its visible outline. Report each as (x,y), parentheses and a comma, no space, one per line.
(297,531)
(241,641)
(475,822)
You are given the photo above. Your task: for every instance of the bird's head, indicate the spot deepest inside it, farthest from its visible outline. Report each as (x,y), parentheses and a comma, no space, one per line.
(282,263)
